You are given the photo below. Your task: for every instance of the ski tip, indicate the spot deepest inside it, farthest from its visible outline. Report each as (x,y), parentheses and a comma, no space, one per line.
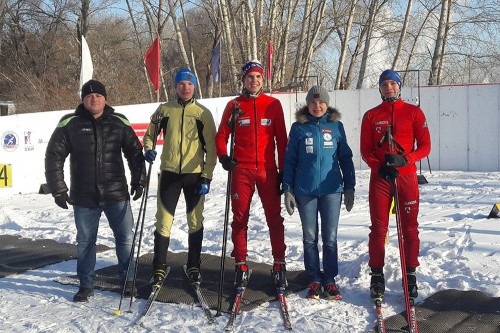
(117,313)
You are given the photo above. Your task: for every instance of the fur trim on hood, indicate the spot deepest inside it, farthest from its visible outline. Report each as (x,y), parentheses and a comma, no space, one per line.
(302,114)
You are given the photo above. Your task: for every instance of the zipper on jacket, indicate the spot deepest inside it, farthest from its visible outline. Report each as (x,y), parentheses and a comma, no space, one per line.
(318,159)
(391,144)
(182,138)
(256,134)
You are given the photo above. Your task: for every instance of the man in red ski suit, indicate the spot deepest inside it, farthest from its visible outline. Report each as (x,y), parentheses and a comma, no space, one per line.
(388,136)
(259,130)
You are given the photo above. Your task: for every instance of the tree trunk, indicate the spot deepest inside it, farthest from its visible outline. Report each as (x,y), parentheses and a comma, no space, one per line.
(403,35)
(339,80)
(313,35)
(252,35)
(191,53)
(366,51)
(229,44)
(438,48)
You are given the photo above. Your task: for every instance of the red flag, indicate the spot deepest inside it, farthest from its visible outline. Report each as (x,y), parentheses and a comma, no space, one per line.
(152,62)
(269,60)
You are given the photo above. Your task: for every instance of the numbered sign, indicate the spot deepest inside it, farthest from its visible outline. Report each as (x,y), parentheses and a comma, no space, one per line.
(5,175)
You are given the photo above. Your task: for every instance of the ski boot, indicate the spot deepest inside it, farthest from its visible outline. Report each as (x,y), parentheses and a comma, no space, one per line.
(377,284)
(411,279)
(194,275)
(278,273)
(240,274)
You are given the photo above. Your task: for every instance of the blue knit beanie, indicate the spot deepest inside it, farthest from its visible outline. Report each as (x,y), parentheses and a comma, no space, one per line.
(389,74)
(185,74)
(252,66)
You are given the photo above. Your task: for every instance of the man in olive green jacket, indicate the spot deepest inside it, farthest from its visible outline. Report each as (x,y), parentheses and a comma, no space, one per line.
(187,160)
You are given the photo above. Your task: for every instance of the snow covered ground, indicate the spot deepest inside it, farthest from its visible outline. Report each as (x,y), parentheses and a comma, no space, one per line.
(459,250)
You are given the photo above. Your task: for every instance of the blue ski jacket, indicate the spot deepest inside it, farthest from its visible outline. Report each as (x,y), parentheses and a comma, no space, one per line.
(318,160)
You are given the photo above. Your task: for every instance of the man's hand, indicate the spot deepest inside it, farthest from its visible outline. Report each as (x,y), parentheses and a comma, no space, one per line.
(137,190)
(227,163)
(396,160)
(290,202)
(388,172)
(62,200)
(203,186)
(279,183)
(150,156)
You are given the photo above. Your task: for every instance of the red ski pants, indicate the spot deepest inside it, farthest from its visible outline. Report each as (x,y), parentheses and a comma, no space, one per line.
(380,199)
(243,185)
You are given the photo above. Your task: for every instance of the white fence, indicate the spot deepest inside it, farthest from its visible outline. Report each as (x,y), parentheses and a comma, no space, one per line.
(464,122)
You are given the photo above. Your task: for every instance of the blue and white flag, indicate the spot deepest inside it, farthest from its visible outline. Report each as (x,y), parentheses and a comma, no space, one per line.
(216,63)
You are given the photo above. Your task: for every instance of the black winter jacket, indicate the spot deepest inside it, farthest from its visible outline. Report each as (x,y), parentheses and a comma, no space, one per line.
(96,165)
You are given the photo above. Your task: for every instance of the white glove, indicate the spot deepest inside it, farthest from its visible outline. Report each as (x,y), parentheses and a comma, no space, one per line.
(290,202)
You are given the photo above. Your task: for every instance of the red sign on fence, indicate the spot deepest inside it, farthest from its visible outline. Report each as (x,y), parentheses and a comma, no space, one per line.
(140,130)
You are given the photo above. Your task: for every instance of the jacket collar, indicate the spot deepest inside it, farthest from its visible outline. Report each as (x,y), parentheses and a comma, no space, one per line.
(303,116)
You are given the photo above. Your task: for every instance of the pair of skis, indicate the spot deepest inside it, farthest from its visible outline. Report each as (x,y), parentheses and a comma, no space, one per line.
(235,310)
(411,317)
(156,291)
(236,307)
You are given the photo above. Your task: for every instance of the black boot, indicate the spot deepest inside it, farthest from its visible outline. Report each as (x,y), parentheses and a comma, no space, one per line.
(240,274)
(159,259)
(83,294)
(279,274)
(377,283)
(195,241)
(411,279)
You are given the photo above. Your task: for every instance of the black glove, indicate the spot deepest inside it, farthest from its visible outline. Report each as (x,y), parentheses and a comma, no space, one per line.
(388,172)
(279,183)
(62,199)
(349,198)
(202,186)
(137,189)
(227,163)
(396,160)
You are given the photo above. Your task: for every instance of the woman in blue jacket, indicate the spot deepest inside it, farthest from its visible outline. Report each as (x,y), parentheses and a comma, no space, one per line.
(318,170)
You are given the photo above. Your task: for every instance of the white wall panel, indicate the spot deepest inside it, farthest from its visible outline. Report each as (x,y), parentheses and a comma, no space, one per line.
(464,123)
(453,127)
(483,127)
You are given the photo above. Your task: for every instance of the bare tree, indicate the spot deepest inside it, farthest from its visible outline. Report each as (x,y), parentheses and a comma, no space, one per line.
(252,33)
(344,39)
(403,34)
(224,6)
(373,9)
(440,43)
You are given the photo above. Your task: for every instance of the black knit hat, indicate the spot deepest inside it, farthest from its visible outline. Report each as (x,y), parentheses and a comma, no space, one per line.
(93,86)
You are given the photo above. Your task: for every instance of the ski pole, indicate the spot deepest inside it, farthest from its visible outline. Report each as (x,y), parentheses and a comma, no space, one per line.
(131,256)
(401,242)
(155,120)
(234,116)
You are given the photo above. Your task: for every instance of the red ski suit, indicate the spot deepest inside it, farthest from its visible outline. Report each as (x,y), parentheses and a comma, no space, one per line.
(408,126)
(260,131)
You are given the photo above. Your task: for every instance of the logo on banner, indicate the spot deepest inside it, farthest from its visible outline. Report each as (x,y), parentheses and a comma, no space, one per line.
(28,146)
(10,141)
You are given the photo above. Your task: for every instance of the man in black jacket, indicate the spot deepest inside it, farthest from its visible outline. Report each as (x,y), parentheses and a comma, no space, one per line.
(95,137)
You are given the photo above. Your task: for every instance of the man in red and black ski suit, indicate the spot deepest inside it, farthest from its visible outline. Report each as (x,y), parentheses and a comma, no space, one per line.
(259,130)
(388,136)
